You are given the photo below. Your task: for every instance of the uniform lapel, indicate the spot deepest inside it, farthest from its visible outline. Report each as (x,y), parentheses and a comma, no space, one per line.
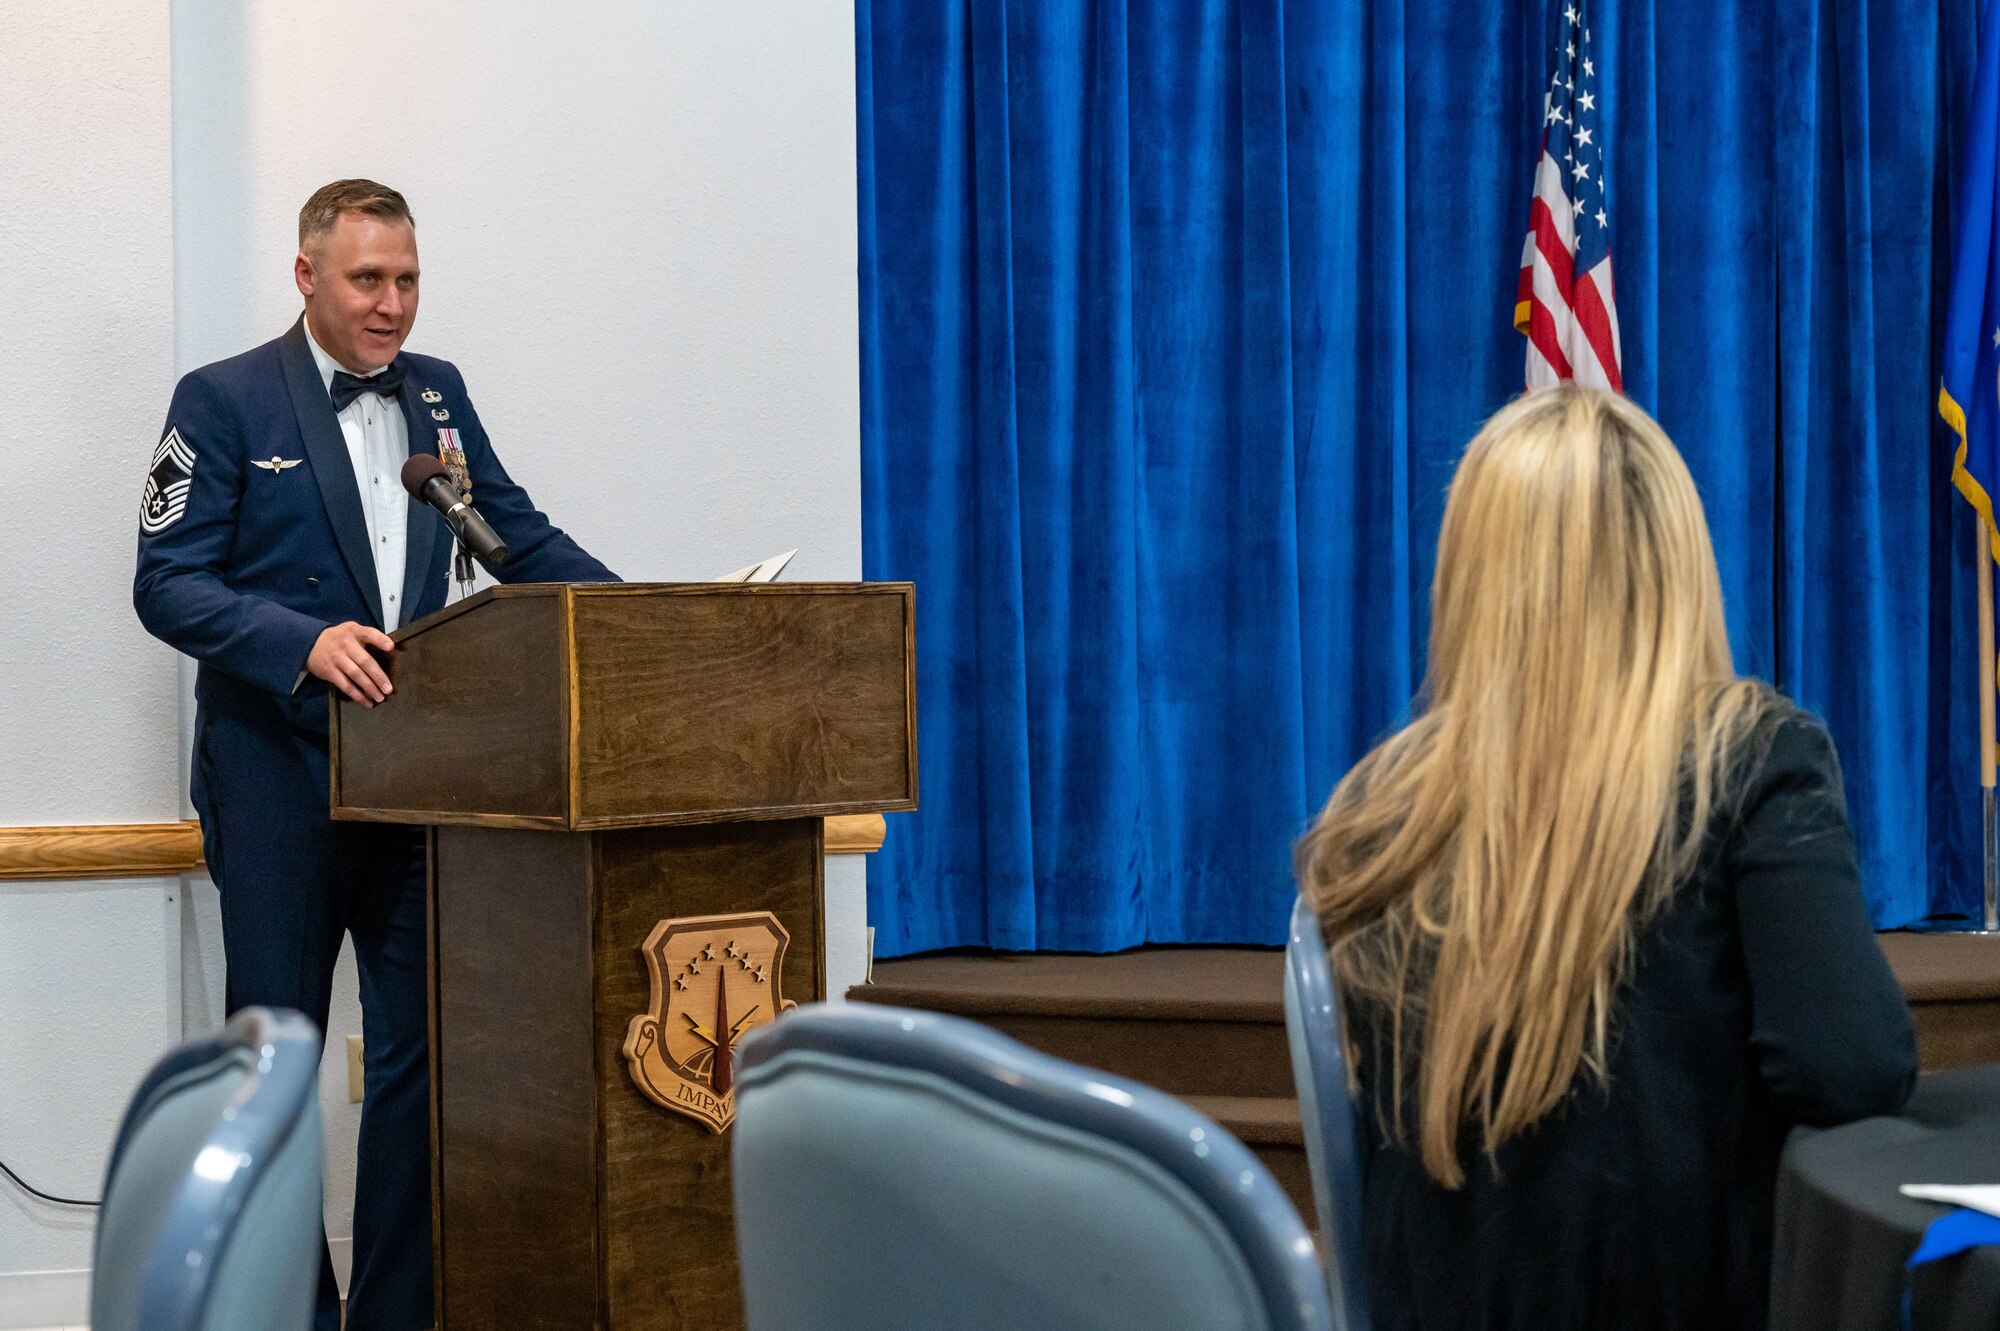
(326,451)
(424,520)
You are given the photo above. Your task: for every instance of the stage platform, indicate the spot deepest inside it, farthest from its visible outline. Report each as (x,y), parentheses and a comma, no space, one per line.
(1208,1024)
(1952,982)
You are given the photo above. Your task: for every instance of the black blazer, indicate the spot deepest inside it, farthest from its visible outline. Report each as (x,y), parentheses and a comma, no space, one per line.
(1758,999)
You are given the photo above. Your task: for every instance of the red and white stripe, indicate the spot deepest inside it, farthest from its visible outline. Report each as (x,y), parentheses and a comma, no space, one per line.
(1571,321)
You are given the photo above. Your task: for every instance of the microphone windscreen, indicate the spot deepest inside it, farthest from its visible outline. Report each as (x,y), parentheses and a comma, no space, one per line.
(419,469)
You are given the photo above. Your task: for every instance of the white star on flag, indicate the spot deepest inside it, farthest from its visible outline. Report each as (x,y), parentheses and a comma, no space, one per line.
(1564,302)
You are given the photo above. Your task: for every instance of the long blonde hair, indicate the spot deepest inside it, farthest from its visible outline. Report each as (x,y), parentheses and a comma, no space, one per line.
(1482,873)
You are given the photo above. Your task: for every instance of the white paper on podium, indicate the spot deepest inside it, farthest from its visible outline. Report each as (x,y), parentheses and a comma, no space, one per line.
(764,570)
(1978,1196)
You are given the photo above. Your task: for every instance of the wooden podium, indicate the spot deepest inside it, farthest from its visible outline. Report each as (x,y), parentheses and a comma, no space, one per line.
(618,780)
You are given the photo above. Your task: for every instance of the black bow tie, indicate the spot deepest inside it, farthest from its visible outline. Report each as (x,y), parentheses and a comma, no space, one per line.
(347,387)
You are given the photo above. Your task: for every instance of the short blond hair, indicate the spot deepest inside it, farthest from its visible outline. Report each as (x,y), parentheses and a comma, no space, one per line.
(366,197)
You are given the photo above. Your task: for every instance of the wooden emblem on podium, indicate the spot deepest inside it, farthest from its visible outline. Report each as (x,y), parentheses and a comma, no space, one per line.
(714,977)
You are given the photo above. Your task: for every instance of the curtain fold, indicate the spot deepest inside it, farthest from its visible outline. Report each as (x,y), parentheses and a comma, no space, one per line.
(1176,318)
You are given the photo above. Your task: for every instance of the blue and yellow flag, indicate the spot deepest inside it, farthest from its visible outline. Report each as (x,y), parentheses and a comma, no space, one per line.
(1969,397)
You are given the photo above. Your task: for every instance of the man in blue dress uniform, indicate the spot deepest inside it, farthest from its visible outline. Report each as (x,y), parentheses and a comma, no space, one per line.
(277,547)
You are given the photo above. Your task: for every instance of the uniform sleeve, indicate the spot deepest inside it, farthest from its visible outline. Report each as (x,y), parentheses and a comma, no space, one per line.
(1831,1033)
(187,522)
(537,549)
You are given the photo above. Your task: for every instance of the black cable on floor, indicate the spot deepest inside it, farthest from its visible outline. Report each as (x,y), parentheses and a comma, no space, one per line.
(47,1197)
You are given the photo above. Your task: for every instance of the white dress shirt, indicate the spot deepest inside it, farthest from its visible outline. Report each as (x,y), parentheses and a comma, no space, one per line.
(378,443)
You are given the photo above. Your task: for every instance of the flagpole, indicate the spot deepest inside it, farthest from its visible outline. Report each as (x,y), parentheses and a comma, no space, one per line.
(1988,665)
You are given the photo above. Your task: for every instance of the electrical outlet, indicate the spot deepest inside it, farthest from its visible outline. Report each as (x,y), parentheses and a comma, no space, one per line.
(355,1079)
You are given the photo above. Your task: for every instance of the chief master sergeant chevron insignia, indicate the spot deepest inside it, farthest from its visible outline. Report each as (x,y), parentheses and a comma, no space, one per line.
(166,496)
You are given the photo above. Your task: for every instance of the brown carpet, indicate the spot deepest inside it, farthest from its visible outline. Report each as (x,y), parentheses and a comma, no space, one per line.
(1208,1023)
(1148,983)
(1952,983)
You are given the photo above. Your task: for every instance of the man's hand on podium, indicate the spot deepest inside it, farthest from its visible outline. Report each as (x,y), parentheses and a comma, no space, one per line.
(342,658)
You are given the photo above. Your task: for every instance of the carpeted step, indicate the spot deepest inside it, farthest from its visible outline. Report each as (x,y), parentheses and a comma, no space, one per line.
(1952,984)
(1270,1127)
(1207,1023)
(1193,1021)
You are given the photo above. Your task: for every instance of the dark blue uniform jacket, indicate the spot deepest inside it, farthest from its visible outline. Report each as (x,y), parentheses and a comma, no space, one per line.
(244,560)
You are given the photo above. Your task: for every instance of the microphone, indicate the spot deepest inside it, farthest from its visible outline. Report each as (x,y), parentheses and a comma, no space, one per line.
(428,482)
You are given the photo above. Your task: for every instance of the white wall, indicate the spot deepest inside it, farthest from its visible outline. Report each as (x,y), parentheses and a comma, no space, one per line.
(637,228)
(637,225)
(89,973)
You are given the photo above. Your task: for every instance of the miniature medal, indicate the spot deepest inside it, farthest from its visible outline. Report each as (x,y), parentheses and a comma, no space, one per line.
(452,454)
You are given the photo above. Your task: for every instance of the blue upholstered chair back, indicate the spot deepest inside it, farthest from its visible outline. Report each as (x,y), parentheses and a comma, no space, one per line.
(899,1169)
(212,1215)
(1333,1145)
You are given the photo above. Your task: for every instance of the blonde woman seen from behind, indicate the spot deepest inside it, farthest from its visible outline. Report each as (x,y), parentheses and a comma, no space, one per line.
(1595,912)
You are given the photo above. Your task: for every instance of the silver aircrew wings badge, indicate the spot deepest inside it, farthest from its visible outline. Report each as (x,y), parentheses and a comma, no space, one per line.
(714,978)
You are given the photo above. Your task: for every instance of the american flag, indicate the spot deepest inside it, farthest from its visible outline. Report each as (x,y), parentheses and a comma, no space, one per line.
(1564,303)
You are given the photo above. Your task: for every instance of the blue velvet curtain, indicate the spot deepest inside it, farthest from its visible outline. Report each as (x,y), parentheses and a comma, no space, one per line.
(1176,317)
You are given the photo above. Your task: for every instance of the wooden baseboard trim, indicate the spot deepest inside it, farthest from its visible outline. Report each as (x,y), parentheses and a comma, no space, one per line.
(855,833)
(163,850)
(125,850)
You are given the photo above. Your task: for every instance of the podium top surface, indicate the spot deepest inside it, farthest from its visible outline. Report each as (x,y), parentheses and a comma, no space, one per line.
(588,705)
